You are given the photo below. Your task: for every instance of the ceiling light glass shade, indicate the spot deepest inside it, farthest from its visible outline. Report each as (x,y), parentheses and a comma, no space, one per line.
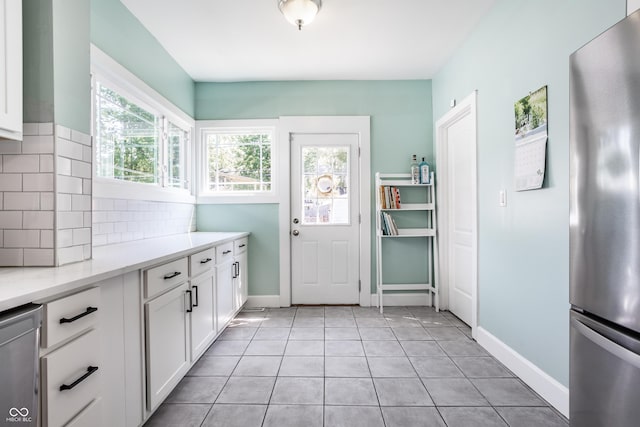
(299,12)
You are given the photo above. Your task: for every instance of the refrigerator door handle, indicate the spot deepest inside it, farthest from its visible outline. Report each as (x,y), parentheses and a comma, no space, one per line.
(608,345)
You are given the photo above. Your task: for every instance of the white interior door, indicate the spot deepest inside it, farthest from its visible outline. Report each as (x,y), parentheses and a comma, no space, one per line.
(461,220)
(324,219)
(456,157)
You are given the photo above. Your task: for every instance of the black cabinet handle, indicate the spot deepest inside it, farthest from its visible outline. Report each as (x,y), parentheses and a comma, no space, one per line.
(190,309)
(172,275)
(87,312)
(226,252)
(204,261)
(195,304)
(90,370)
(242,245)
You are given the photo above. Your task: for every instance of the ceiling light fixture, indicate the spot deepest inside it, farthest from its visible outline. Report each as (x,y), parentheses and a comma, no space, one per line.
(299,12)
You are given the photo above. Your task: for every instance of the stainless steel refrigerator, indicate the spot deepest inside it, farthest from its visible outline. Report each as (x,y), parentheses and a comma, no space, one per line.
(605,229)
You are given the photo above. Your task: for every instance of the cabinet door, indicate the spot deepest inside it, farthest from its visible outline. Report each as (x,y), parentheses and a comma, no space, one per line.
(11,69)
(203,322)
(224,294)
(167,343)
(241,280)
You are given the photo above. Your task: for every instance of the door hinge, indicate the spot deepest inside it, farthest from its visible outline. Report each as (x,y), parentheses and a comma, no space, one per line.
(359,151)
(359,218)
(359,285)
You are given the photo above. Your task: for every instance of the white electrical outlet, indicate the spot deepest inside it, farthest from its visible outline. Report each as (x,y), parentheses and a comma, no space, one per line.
(502,198)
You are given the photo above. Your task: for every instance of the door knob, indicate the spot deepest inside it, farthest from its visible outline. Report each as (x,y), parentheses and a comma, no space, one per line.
(295,232)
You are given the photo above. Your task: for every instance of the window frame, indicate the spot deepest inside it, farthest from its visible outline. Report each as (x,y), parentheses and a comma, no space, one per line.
(114,76)
(204,195)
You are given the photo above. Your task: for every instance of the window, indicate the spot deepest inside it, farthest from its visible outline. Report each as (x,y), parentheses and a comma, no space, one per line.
(142,141)
(237,160)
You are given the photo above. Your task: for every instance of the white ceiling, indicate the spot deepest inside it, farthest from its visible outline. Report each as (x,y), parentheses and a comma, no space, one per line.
(249,40)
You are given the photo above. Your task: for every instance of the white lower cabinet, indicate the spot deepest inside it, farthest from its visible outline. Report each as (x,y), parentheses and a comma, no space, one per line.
(167,343)
(90,416)
(224,294)
(71,379)
(202,316)
(240,282)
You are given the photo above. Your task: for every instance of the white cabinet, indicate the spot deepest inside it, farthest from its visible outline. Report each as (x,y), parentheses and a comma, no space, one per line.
(11,69)
(240,272)
(224,293)
(202,316)
(167,343)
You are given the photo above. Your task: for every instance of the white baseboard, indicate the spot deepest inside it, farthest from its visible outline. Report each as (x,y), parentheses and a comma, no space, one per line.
(550,389)
(263,301)
(401,299)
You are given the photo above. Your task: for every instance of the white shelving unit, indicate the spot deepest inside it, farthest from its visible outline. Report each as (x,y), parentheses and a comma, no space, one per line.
(403,181)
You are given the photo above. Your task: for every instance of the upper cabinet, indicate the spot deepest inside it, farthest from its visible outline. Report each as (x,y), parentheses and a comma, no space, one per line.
(11,69)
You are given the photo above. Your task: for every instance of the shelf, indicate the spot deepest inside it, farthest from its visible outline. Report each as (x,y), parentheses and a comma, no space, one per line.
(407,287)
(403,183)
(413,207)
(412,232)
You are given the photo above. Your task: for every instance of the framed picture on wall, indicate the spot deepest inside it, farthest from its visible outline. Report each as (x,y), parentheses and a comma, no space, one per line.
(530,140)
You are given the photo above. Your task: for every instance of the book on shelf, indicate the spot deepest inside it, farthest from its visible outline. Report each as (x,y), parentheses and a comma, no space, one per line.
(390,197)
(388,225)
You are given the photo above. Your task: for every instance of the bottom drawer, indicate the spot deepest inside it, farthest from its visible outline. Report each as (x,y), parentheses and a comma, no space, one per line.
(70,379)
(89,417)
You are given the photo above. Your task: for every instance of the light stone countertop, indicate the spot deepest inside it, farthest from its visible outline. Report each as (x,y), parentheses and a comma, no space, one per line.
(32,284)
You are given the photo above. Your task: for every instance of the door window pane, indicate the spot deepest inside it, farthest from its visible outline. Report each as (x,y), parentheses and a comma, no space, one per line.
(325,185)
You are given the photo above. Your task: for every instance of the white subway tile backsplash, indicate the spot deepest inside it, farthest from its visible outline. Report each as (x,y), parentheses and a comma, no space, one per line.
(46,162)
(63,132)
(69,184)
(86,251)
(70,254)
(80,202)
(86,186)
(87,154)
(21,201)
(32,220)
(40,144)
(120,205)
(86,221)
(11,220)
(80,137)
(21,238)
(69,149)
(64,166)
(120,227)
(19,163)
(47,201)
(81,236)
(38,257)
(80,169)
(29,129)
(65,238)
(69,220)
(45,128)
(99,239)
(37,182)
(64,202)
(11,257)
(10,181)
(46,239)
(11,147)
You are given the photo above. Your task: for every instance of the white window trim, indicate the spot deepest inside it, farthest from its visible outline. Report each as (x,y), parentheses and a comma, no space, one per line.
(203,196)
(109,71)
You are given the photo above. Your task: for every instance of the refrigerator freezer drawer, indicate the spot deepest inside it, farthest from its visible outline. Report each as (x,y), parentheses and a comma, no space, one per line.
(604,375)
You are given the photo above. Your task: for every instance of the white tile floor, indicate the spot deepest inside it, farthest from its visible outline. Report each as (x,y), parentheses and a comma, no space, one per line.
(351,366)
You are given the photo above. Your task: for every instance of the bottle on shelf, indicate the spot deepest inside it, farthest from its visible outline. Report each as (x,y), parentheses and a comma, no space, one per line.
(425,176)
(415,171)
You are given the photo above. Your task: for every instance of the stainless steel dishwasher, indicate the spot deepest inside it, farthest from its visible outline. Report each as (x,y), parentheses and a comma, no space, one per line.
(19,339)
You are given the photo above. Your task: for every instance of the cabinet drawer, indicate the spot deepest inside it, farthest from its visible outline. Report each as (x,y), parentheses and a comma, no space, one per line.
(202,261)
(240,246)
(165,276)
(224,253)
(70,315)
(89,417)
(70,379)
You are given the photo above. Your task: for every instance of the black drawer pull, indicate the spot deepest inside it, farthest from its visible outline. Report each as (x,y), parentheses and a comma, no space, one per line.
(206,260)
(90,370)
(172,275)
(242,245)
(88,311)
(195,304)
(226,252)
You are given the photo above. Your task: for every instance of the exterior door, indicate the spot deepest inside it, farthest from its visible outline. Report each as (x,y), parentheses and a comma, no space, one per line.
(324,219)
(457,197)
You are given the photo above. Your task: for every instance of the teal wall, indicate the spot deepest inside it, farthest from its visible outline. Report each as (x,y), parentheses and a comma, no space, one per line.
(524,248)
(37,28)
(121,36)
(401,125)
(71,62)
